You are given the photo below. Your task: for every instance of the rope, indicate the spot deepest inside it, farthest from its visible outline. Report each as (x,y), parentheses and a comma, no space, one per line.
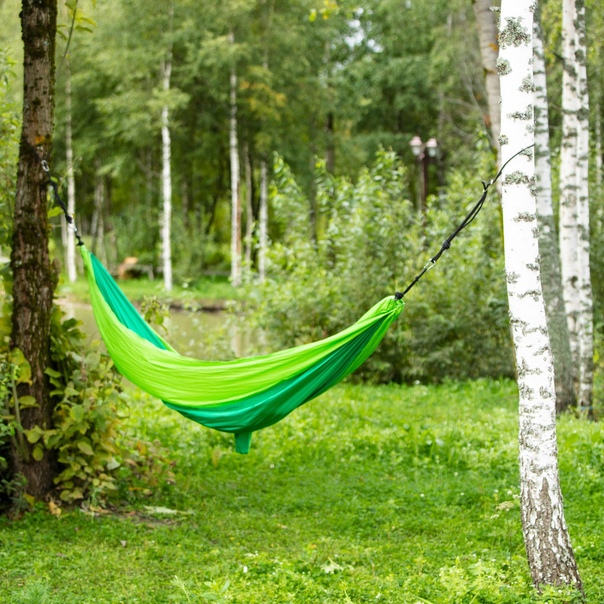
(464,223)
(55,189)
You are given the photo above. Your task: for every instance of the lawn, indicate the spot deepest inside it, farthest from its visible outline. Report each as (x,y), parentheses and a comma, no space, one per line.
(368,494)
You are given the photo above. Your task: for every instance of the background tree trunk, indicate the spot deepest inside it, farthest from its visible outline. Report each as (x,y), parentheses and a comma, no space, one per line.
(486,20)
(235,181)
(551,277)
(71,193)
(586,346)
(263,222)
(549,552)
(166,214)
(34,279)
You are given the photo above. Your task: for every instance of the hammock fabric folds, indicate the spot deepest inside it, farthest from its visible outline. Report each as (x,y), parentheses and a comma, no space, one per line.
(239,396)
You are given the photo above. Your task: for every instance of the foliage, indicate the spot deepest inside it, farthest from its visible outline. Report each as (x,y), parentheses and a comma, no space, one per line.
(409,493)
(372,242)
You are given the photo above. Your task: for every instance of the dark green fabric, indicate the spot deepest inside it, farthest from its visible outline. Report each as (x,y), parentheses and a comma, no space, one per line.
(239,396)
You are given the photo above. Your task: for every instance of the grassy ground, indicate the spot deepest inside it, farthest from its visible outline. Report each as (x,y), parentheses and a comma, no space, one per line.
(369,494)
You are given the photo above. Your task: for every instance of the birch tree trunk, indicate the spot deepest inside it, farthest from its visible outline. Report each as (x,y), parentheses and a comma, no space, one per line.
(585,327)
(166,215)
(548,547)
(235,181)
(263,222)
(551,277)
(568,232)
(71,198)
(34,279)
(249,210)
(97,226)
(486,21)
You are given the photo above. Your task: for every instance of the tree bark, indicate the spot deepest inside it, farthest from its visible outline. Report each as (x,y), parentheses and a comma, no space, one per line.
(249,209)
(235,181)
(166,214)
(34,278)
(72,274)
(549,552)
(97,227)
(586,347)
(568,232)
(489,51)
(263,222)
(551,276)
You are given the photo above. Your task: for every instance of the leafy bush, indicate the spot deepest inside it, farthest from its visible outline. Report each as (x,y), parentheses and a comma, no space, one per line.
(370,243)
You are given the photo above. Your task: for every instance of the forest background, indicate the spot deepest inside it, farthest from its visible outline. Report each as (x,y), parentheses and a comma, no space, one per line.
(329,95)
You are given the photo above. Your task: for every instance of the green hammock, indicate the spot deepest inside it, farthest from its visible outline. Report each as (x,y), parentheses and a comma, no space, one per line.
(239,396)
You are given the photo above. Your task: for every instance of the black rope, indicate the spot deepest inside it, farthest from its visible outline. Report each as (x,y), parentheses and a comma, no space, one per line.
(55,189)
(464,223)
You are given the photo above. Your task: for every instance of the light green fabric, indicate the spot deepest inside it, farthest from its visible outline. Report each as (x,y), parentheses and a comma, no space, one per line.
(238,396)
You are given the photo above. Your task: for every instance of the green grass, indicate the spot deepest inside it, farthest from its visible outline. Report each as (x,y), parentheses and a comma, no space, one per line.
(206,290)
(369,494)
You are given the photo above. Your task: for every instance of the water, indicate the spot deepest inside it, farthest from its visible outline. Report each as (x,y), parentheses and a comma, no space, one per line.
(202,335)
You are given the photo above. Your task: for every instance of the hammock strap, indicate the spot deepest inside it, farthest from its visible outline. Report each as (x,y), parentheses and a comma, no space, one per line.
(464,223)
(55,190)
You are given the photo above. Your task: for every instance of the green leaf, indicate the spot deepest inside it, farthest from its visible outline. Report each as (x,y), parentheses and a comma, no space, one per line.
(38,452)
(85,447)
(34,435)
(55,211)
(27,402)
(77,413)
(52,373)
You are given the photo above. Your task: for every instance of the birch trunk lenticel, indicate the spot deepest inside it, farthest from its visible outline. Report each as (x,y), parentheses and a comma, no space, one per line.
(548,547)
(551,277)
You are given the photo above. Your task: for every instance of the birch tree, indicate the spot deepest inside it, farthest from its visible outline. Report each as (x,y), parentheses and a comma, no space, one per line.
(551,277)
(585,326)
(235,179)
(71,194)
(166,215)
(547,542)
(487,34)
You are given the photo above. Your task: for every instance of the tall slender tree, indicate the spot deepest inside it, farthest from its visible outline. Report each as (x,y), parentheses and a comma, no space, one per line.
(551,276)
(548,546)
(235,178)
(71,191)
(34,278)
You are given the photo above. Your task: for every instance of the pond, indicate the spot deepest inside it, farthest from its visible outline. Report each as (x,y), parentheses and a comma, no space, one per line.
(204,335)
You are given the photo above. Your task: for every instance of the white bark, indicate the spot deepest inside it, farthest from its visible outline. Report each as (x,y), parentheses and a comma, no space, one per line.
(487,34)
(166,215)
(569,235)
(551,277)
(71,199)
(585,327)
(263,222)
(249,210)
(548,547)
(235,182)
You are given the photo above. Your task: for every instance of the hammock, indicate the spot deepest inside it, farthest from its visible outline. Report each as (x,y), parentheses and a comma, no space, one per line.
(239,396)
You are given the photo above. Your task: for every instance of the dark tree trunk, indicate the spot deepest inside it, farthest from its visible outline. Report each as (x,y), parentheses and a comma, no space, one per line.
(34,276)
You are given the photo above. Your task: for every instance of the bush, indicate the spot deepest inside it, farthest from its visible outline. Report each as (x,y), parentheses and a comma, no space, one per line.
(370,243)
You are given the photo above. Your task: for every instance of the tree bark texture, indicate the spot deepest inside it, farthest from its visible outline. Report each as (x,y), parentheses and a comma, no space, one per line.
(71,193)
(486,21)
(549,552)
(585,327)
(235,182)
(551,276)
(263,222)
(34,278)
(568,232)
(166,214)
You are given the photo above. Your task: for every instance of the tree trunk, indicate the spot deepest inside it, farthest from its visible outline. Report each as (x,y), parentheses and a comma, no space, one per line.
(235,182)
(71,199)
(166,214)
(249,210)
(98,216)
(548,547)
(586,347)
(34,279)
(263,222)
(569,236)
(551,277)
(489,51)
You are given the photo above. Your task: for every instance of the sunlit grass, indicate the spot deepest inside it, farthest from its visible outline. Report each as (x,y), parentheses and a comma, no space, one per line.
(368,494)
